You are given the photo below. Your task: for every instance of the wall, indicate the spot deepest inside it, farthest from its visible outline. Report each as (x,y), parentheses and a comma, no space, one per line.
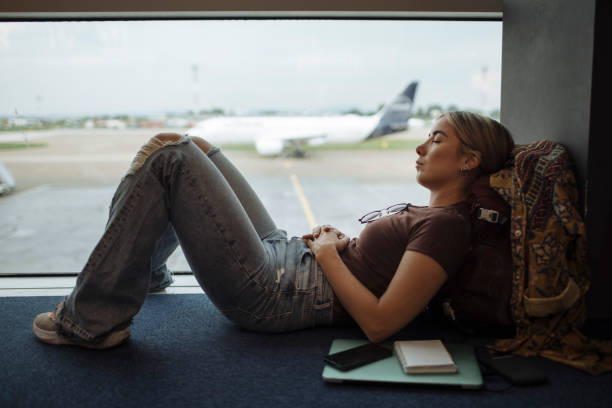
(547,80)
(599,192)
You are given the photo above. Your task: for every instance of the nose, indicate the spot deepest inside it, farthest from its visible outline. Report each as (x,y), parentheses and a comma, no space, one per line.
(421,149)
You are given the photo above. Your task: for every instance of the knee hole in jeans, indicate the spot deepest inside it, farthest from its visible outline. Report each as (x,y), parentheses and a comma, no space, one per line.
(155,143)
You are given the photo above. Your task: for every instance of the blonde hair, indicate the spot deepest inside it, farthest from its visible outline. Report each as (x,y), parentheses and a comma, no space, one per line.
(483,136)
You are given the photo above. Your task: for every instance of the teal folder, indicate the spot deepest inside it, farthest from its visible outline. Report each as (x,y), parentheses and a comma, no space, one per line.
(389,370)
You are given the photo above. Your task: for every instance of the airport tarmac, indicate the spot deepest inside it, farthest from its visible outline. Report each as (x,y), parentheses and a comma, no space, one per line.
(59,210)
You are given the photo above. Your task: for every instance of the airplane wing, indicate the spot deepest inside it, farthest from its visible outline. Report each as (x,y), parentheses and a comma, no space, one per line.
(276,141)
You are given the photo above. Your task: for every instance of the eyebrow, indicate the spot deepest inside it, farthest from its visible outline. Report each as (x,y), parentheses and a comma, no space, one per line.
(435,132)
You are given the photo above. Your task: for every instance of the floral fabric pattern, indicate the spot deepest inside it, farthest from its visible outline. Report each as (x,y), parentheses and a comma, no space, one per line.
(549,251)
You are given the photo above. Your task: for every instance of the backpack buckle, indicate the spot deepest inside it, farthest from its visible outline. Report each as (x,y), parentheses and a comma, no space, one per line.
(489,215)
(448,310)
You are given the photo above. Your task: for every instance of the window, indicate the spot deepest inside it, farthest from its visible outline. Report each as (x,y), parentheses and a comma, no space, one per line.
(80,98)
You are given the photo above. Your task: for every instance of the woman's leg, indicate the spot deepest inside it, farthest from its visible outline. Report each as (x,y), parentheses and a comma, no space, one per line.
(161,276)
(257,213)
(171,180)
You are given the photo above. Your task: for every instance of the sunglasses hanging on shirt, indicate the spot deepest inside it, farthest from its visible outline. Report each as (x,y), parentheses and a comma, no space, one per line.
(374,215)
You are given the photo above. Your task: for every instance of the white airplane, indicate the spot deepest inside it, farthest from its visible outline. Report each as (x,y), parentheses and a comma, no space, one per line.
(275,135)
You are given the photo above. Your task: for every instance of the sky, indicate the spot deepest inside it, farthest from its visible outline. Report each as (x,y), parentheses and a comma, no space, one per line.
(243,66)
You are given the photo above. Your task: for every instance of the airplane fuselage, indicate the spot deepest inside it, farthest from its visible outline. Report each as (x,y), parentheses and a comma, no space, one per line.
(246,129)
(273,135)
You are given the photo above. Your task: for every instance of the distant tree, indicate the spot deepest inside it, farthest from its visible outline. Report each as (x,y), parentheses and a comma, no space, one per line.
(357,111)
(353,111)
(475,110)
(434,110)
(213,111)
(452,108)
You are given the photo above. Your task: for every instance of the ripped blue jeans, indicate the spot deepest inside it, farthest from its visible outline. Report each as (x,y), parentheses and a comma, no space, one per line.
(174,193)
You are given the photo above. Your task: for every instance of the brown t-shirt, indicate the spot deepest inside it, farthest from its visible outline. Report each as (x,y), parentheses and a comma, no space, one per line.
(443,233)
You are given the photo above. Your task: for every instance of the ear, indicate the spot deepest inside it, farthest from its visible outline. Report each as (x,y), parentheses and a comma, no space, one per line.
(472,160)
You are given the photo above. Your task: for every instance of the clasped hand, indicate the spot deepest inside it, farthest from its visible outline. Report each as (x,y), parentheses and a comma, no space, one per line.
(325,237)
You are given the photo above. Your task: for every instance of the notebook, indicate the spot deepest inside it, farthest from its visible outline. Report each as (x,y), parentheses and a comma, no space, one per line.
(389,370)
(424,357)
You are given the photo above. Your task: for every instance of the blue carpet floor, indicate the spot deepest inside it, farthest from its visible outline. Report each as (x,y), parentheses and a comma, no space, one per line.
(183,353)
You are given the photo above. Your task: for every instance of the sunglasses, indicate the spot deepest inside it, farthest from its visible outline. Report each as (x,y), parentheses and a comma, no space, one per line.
(374,215)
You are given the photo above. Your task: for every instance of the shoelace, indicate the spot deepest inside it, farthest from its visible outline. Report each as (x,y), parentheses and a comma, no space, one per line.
(52,314)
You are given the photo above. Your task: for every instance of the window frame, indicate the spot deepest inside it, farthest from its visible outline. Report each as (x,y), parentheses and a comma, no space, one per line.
(21,284)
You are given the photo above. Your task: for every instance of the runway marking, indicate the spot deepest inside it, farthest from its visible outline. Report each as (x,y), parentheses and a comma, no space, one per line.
(302,197)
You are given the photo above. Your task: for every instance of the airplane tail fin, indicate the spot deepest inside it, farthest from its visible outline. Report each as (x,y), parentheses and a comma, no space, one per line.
(394,117)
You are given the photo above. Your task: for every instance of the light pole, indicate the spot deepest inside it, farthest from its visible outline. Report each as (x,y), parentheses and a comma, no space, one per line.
(196,102)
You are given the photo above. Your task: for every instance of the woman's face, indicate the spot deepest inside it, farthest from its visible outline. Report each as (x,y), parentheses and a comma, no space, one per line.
(440,157)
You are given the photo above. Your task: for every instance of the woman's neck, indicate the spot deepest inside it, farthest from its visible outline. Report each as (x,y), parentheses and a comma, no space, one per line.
(445,198)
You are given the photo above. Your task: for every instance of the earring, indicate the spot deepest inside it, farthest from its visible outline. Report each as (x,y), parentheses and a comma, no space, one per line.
(464,171)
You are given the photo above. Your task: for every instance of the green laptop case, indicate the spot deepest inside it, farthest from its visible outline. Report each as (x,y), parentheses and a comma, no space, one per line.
(389,370)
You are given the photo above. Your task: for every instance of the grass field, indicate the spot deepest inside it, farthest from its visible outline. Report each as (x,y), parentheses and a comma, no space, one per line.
(20,145)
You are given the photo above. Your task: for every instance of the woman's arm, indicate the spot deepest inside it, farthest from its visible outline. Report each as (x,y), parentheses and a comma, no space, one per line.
(417,279)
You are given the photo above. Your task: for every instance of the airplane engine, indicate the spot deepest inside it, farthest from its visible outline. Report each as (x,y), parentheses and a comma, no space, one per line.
(269,147)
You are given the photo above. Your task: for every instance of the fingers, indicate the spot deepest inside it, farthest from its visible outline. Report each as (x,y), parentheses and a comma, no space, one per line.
(324,229)
(342,244)
(309,242)
(320,228)
(316,231)
(202,144)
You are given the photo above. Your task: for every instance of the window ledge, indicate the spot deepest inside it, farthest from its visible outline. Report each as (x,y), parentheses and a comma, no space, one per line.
(62,286)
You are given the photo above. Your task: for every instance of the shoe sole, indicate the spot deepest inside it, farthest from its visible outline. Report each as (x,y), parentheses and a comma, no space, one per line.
(51,337)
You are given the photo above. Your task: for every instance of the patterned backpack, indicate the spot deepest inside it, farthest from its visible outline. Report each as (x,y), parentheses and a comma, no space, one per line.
(550,274)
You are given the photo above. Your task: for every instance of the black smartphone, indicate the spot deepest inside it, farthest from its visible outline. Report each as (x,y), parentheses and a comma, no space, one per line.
(357,356)
(518,370)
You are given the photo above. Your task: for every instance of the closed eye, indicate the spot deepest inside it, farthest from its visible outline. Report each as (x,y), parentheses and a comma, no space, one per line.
(436,136)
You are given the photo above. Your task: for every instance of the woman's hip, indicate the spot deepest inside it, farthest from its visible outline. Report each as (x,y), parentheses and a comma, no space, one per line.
(291,293)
